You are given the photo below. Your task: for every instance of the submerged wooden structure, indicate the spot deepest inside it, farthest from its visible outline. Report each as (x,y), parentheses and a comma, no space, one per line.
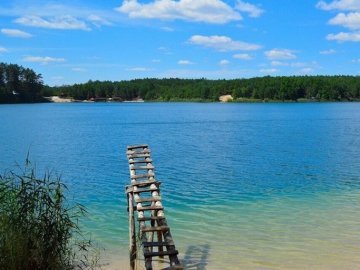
(144,198)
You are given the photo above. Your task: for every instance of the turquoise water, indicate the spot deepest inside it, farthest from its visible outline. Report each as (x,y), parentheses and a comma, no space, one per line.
(245,186)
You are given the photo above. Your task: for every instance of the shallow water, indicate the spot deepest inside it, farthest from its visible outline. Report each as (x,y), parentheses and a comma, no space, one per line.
(245,186)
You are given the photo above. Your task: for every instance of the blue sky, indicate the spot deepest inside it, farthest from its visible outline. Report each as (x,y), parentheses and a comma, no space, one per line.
(79,40)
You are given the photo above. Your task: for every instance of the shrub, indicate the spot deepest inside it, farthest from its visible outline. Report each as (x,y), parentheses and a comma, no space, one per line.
(38,227)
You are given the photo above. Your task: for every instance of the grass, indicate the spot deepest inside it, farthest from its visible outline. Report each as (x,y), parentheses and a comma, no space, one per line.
(39,228)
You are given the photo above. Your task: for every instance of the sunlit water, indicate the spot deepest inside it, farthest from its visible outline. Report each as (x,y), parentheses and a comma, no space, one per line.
(245,186)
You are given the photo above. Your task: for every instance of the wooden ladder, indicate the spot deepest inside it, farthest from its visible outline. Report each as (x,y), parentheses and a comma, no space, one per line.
(144,197)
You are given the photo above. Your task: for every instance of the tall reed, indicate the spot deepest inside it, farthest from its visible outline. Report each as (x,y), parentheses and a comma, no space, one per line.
(39,227)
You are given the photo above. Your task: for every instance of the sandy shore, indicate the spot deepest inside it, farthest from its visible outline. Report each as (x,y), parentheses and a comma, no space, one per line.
(58,99)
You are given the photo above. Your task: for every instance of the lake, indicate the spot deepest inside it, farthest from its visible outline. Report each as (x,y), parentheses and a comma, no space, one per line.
(245,186)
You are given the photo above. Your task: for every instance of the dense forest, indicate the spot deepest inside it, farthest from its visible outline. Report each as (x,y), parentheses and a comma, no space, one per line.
(19,84)
(325,88)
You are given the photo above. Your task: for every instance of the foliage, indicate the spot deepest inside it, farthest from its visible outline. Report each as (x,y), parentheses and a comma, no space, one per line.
(38,227)
(19,84)
(262,88)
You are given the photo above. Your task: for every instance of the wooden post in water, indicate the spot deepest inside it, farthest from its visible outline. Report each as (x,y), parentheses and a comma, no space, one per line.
(132,233)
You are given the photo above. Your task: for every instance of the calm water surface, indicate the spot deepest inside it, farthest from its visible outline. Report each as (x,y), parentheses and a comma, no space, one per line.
(245,186)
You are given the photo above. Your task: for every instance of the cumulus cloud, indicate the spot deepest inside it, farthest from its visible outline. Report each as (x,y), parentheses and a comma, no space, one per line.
(350,20)
(251,9)
(62,22)
(224,62)
(306,70)
(208,11)
(3,50)
(15,33)
(97,20)
(42,60)
(222,43)
(78,69)
(280,54)
(344,36)
(327,52)
(242,56)
(138,69)
(279,64)
(185,62)
(339,5)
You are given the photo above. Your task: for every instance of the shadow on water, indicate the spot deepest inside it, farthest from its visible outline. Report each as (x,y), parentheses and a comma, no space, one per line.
(196,257)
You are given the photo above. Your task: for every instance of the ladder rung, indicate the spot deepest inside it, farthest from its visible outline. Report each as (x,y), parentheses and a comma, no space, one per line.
(152,199)
(160,253)
(155,229)
(145,175)
(157,244)
(147,208)
(150,218)
(137,146)
(148,189)
(149,160)
(138,156)
(132,152)
(143,183)
(142,168)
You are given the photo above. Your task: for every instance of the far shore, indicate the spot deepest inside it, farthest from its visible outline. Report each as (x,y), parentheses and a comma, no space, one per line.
(221,99)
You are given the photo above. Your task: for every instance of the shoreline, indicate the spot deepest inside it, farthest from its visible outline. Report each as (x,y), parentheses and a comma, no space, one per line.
(222,99)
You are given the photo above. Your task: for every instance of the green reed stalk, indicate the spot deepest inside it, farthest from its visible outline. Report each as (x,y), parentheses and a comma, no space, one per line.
(39,227)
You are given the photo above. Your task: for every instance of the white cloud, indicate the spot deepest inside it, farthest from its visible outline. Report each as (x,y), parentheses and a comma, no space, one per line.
(43,60)
(15,33)
(3,50)
(279,64)
(78,69)
(156,60)
(62,22)
(269,70)
(356,60)
(185,62)
(280,54)
(251,9)
(306,70)
(167,29)
(350,20)
(208,11)
(242,56)
(339,4)
(224,62)
(98,21)
(138,69)
(327,52)
(222,43)
(342,37)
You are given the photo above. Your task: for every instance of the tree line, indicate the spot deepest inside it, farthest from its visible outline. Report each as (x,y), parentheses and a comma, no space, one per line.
(328,88)
(19,84)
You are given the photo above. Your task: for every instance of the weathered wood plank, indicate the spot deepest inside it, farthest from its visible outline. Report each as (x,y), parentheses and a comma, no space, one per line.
(149,160)
(160,253)
(152,199)
(147,208)
(130,147)
(155,229)
(149,218)
(144,183)
(157,244)
(139,156)
(142,168)
(145,175)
